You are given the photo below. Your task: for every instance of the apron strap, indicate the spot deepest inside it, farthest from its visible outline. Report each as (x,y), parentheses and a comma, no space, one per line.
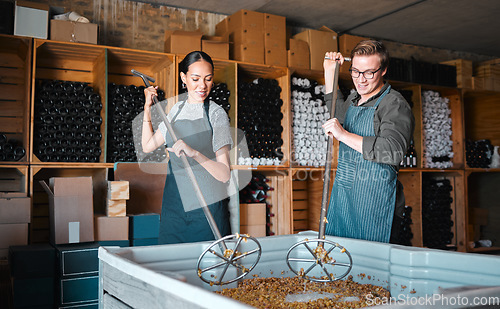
(382,96)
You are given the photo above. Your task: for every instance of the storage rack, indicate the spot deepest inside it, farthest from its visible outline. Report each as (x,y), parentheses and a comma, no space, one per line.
(295,200)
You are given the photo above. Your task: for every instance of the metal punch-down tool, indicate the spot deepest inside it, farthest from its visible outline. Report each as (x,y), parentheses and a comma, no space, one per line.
(218,255)
(321,250)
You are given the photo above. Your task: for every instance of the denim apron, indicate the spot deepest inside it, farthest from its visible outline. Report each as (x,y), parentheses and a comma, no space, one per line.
(364,192)
(182,218)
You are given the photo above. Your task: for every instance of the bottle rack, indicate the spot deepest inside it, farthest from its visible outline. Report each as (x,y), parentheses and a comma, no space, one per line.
(474,116)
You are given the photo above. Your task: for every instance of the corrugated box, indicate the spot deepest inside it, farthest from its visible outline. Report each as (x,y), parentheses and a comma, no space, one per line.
(320,41)
(215,46)
(254,230)
(71,209)
(275,28)
(15,210)
(182,42)
(110,228)
(31,19)
(298,54)
(12,235)
(70,31)
(32,261)
(244,19)
(222,27)
(253,214)
(248,53)
(246,33)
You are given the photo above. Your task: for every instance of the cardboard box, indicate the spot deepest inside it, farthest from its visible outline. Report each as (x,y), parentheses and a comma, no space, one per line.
(33,292)
(254,230)
(118,190)
(31,19)
(70,31)
(215,46)
(78,290)
(15,210)
(144,226)
(71,209)
(298,55)
(320,41)
(32,261)
(253,214)
(182,42)
(250,21)
(76,260)
(275,53)
(222,28)
(275,28)
(110,228)
(116,208)
(248,53)
(12,235)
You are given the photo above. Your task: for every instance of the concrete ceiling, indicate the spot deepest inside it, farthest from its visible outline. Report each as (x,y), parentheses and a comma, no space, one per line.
(458,25)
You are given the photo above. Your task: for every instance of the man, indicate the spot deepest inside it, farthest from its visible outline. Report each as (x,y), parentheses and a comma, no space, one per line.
(374,126)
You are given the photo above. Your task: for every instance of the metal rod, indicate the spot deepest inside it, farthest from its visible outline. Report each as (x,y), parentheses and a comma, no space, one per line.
(185,162)
(329,152)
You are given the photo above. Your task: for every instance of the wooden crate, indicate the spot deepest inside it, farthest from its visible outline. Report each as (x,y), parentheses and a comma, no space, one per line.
(412,189)
(307,192)
(249,72)
(70,62)
(483,217)
(39,230)
(279,203)
(15,79)
(13,181)
(464,72)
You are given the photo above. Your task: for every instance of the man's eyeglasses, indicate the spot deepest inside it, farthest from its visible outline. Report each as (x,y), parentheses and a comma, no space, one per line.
(367,74)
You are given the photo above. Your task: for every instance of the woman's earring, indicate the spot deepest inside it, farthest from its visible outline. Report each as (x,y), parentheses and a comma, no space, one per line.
(183,85)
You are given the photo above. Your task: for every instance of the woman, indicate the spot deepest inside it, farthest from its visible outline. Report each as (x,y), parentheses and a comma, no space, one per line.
(202,129)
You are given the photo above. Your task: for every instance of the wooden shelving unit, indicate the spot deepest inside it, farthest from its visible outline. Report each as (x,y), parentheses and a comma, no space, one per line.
(297,195)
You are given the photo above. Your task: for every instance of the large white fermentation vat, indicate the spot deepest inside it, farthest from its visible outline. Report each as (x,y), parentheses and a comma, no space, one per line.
(142,277)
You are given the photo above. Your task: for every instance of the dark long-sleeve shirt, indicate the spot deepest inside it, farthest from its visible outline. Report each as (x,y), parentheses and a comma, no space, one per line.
(393,125)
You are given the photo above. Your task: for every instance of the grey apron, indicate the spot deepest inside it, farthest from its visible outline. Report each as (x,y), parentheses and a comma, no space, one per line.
(364,192)
(182,219)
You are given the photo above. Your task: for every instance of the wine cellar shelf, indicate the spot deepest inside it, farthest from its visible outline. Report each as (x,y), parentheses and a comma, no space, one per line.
(26,64)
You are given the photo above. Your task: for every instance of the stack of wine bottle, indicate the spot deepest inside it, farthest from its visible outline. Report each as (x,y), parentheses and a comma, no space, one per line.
(309,113)
(67,122)
(259,116)
(405,234)
(126,102)
(220,95)
(10,149)
(437,130)
(479,153)
(436,212)
(410,157)
(257,191)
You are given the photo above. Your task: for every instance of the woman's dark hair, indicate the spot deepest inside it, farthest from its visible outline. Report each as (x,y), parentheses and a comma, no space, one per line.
(193,57)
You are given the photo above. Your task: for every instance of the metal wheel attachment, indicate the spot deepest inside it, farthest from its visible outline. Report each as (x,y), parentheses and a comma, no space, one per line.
(322,252)
(226,257)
